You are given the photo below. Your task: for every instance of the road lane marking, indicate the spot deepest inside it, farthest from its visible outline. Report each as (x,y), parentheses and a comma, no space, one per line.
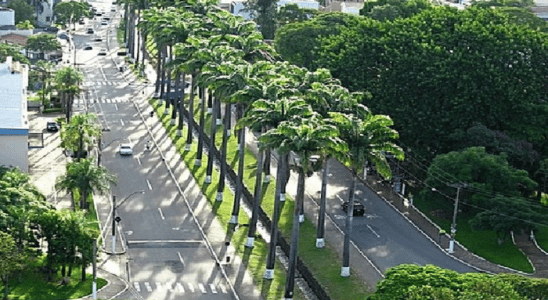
(147,285)
(202,288)
(169,287)
(180,287)
(137,286)
(213,289)
(159,286)
(161,213)
(149,185)
(116,106)
(122,122)
(191,288)
(139,161)
(181,258)
(378,236)
(223,289)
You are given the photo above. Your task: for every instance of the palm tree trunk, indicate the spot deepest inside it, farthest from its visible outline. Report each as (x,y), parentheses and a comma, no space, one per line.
(138,36)
(190,111)
(221,186)
(256,201)
(180,91)
(163,73)
(144,46)
(320,236)
(199,153)
(345,270)
(83,198)
(83,270)
(290,277)
(5,281)
(158,69)
(266,167)
(210,105)
(240,183)
(271,258)
(287,174)
(211,155)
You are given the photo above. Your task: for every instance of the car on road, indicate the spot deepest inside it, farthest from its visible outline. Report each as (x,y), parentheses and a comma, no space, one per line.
(63,36)
(113,9)
(126,149)
(82,22)
(97,38)
(88,47)
(90,31)
(104,23)
(359,209)
(52,126)
(102,52)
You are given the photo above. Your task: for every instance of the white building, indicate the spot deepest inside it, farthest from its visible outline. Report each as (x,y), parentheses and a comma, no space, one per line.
(7,16)
(14,124)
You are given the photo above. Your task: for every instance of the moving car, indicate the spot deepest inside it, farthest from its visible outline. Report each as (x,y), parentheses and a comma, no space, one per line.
(97,38)
(52,126)
(104,23)
(102,52)
(88,47)
(359,209)
(63,36)
(82,22)
(90,31)
(126,149)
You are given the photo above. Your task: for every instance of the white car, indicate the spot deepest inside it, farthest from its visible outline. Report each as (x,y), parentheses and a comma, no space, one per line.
(126,149)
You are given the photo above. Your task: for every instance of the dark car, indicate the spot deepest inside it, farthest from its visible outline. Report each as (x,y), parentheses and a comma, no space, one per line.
(63,36)
(88,47)
(52,126)
(51,29)
(90,31)
(359,209)
(82,22)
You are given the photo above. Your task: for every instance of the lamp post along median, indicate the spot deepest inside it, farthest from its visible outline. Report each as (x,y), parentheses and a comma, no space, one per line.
(113,224)
(454,223)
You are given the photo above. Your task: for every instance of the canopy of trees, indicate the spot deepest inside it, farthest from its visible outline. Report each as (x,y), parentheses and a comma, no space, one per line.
(431,282)
(69,12)
(23,11)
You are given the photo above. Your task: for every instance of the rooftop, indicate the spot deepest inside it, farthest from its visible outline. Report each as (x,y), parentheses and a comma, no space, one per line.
(13,112)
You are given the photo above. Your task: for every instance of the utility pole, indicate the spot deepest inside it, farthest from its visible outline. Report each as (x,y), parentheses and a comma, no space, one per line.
(455,211)
(113,224)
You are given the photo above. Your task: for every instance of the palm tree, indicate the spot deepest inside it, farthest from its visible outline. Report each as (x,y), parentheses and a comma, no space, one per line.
(304,138)
(45,68)
(87,178)
(68,80)
(369,138)
(79,133)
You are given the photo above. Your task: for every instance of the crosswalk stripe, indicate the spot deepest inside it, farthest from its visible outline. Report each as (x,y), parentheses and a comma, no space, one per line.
(147,285)
(159,285)
(202,288)
(180,287)
(191,288)
(137,286)
(223,289)
(213,289)
(169,287)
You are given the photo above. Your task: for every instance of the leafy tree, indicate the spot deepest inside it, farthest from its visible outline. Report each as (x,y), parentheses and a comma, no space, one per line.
(292,13)
(431,282)
(11,260)
(79,134)
(45,69)
(27,24)
(23,11)
(69,12)
(383,10)
(14,51)
(43,42)
(263,12)
(87,178)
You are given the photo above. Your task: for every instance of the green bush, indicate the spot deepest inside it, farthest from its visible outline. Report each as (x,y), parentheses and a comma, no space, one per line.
(52,110)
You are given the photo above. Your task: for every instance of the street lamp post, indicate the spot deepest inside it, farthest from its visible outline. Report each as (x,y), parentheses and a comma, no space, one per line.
(455,210)
(117,219)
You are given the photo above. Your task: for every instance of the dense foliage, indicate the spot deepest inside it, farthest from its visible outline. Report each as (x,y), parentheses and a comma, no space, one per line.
(431,282)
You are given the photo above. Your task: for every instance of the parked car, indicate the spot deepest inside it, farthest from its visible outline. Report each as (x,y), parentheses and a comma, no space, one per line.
(63,36)
(126,149)
(82,22)
(104,23)
(90,31)
(88,47)
(97,38)
(52,126)
(102,52)
(113,9)
(359,209)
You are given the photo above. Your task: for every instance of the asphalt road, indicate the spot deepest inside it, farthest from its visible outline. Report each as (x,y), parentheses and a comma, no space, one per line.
(167,257)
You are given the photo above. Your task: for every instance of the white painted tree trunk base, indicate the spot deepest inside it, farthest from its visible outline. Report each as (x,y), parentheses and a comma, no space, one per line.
(187,147)
(301,218)
(268,274)
(197,162)
(179,132)
(219,122)
(228,133)
(166,112)
(208,179)
(320,242)
(345,271)
(249,242)
(266,179)
(282,197)
(233,220)
(210,110)
(219,197)
(172,122)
